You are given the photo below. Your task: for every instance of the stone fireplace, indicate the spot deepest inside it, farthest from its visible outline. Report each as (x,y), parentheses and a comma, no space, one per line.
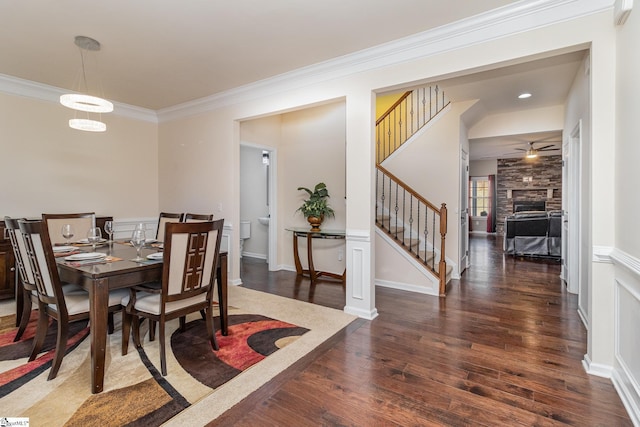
(523,179)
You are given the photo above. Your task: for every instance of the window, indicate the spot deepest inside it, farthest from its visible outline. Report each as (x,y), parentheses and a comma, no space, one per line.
(479,196)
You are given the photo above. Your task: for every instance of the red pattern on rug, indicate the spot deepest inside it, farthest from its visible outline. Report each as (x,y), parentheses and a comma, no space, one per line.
(234,348)
(6,340)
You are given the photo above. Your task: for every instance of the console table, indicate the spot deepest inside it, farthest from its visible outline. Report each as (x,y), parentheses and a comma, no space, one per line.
(309,235)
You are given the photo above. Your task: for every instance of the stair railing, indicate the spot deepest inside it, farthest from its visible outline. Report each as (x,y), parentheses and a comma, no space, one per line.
(417,225)
(405,117)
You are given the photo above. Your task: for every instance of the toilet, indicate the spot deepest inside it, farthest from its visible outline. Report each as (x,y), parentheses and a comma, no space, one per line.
(245,233)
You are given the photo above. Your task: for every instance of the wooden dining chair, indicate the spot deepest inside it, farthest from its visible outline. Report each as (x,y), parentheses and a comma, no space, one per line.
(64,303)
(81,223)
(191,217)
(25,285)
(190,256)
(164,218)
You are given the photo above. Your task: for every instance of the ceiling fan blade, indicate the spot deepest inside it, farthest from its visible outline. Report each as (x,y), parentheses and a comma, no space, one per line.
(520,149)
(546,147)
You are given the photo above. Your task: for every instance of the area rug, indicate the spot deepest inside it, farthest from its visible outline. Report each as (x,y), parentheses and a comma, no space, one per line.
(266,335)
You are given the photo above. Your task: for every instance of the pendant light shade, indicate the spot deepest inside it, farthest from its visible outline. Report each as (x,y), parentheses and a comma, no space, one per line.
(87,125)
(91,104)
(84,102)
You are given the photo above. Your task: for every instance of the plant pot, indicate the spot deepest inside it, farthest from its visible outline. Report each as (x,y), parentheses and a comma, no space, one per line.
(315,222)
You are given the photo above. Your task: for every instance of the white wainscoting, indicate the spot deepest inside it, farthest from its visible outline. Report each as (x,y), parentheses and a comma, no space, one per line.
(360,292)
(626,369)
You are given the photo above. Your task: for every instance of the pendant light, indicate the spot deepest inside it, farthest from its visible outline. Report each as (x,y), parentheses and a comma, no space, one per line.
(84,102)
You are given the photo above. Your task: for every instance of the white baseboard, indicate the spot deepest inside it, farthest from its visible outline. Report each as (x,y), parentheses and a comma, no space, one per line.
(254,255)
(629,395)
(369,315)
(407,287)
(596,369)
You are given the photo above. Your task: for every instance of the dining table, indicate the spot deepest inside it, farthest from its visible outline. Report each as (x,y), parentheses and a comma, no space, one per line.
(117,271)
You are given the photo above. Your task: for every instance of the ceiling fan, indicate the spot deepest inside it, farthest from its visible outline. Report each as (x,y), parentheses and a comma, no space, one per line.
(532,152)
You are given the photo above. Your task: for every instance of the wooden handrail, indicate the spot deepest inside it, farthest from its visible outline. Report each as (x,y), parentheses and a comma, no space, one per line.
(409,190)
(393,107)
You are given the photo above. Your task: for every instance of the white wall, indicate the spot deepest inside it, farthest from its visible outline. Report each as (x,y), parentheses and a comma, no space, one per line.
(312,150)
(519,122)
(626,255)
(48,167)
(483,167)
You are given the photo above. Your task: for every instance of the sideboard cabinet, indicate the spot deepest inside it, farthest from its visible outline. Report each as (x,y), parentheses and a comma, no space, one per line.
(7,266)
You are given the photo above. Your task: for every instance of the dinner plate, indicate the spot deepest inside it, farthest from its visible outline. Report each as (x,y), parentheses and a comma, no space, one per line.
(156,256)
(63,248)
(85,255)
(87,241)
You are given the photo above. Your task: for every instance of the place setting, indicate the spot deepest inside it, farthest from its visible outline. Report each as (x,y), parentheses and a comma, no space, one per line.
(77,258)
(138,241)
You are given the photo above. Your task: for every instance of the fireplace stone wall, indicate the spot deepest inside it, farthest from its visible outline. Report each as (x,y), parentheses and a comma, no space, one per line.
(528,179)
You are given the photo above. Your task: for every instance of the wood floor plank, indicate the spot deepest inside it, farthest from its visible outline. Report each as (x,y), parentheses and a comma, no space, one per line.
(505,347)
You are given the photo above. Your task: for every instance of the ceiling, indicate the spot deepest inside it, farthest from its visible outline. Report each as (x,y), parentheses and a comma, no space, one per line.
(159,53)
(548,80)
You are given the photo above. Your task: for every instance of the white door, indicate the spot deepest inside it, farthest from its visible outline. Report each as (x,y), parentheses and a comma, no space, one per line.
(464,211)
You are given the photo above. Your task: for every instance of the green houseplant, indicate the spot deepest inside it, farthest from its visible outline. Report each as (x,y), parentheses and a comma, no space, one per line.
(316,206)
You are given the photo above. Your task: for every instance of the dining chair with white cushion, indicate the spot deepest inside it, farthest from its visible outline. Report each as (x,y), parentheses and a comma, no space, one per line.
(66,303)
(26,288)
(191,253)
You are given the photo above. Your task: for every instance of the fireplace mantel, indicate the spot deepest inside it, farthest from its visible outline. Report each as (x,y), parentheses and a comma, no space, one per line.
(549,191)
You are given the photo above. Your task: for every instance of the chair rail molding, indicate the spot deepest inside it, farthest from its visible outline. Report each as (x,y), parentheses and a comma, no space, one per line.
(602,254)
(631,263)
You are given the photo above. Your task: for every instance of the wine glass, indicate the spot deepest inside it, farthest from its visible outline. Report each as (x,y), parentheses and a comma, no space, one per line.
(137,241)
(93,236)
(67,232)
(108,228)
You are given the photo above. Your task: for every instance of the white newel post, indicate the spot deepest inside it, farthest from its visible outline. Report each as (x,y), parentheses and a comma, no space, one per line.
(360,286)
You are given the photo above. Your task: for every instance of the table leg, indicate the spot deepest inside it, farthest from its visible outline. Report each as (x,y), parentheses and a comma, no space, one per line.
(98,313)
(221,275)
(312,270)
(296,255)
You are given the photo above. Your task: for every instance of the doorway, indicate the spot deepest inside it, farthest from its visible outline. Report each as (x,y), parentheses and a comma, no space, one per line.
(257,197)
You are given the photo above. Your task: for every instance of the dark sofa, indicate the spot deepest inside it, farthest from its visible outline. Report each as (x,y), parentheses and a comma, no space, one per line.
(533,233)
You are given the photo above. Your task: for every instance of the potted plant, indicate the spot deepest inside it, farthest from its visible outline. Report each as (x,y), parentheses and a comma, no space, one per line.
(316,206)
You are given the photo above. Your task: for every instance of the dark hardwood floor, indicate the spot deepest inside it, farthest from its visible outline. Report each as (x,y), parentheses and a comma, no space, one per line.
(503,348)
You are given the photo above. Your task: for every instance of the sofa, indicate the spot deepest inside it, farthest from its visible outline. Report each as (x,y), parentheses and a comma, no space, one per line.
(534,234)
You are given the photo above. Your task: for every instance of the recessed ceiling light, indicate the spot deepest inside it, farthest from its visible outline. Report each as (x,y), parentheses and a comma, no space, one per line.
(524,95)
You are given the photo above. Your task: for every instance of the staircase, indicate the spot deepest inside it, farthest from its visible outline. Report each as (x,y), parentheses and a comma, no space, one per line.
(407,218)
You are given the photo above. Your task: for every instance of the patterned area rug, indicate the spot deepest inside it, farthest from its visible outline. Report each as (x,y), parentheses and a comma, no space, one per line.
(136,394)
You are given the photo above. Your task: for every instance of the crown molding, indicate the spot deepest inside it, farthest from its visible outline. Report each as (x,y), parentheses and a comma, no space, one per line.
(498,23)
(29,89)
(621,11)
